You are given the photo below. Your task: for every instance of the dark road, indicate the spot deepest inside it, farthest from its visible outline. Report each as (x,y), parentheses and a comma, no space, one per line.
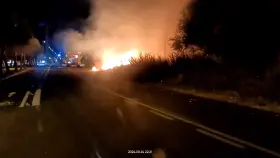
(75,113)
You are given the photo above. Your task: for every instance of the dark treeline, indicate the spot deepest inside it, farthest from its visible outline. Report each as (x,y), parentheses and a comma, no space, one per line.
(245,33)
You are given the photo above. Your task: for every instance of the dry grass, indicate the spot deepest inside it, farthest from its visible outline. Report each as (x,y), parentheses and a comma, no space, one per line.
(202,73)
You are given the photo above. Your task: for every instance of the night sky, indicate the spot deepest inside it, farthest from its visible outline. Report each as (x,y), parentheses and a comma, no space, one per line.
(57,13)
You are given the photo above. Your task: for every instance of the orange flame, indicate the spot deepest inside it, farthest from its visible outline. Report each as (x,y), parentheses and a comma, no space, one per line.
(111,59)
(94,69)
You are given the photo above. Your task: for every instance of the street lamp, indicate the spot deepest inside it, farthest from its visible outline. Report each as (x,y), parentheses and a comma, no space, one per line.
(44,24)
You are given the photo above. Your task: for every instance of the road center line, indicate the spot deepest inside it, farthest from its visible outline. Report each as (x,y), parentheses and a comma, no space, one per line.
(93,155)
(175,116)
(119,112)
(24,99)
(39,126)
(220,138)
(43,72)
(161,115)
(37,98)
(120,115)
(46,72)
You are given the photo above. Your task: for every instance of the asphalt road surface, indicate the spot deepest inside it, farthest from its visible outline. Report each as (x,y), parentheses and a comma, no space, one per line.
(76,113)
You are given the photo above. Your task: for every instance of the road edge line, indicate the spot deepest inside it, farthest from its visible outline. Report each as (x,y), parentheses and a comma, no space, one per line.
(198,125)
(161,115)
(15,74)
(206,133)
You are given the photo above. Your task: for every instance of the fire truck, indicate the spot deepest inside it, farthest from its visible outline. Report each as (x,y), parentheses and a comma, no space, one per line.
(78,59)
(73,59)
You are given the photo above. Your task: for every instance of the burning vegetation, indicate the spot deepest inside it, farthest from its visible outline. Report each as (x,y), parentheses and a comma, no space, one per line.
(119,30)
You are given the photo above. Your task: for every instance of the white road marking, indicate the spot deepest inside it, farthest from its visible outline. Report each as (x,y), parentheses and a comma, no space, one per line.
(220,138)
(46,72)
(24,99)
(175,116)
(96,152)
(39,126)
(161,115)
(130,103)
(120,115)
(43,72)
(13,75)
(37,98)
(6,103)
(27,104)
(119,112)
(11,94)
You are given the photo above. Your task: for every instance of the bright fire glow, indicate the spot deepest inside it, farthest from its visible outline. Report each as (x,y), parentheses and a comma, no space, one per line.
(111,59)
(94,69)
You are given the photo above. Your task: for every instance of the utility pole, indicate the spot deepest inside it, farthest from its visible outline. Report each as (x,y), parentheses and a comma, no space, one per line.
(46,38)
(46,41)
(46,31)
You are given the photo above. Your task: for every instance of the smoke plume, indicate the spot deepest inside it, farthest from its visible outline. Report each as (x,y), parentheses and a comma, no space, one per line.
(121,25)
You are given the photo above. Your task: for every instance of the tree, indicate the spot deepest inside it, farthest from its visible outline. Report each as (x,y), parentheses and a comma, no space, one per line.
(30,49)
(5,31)
(16,36)
(177,42)
(243,32)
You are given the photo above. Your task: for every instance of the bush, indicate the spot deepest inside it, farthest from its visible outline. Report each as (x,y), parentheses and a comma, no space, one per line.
(199,72)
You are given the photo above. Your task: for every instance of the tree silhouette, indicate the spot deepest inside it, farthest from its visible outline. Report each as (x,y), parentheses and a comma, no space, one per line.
(243,32)
(15,32)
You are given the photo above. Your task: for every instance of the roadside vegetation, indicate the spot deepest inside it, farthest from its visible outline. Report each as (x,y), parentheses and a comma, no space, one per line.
(18,46)
(213,52)
(202,74)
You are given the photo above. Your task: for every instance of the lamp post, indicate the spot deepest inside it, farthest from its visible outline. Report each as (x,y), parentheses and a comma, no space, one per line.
(46,42)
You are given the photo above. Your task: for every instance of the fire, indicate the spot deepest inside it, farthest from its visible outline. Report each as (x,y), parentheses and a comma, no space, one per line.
(94,69)
(112,59)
